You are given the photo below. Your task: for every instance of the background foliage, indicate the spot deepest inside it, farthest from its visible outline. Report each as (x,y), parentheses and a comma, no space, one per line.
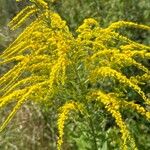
(31,117)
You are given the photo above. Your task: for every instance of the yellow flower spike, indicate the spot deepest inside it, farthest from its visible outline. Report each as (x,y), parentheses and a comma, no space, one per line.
(63,116)
(54,73)
(117,58)
(22,16)
(112,106)
(104,52)
(13,112)
(63,70)
(39,66)
(120,24)
(29,80)
(107,71)
(23,19)
(122,60)
(141,110)
(18,105)
(144,78)
(12,76)
(19,45)
(117,36)
(12,97)
(16,58)
(42,3)
(6,77)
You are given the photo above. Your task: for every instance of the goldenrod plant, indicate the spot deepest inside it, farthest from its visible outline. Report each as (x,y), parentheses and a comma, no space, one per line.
(73,72)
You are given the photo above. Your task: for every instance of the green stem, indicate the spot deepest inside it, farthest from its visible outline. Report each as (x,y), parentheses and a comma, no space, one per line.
(90,119)
(93,132)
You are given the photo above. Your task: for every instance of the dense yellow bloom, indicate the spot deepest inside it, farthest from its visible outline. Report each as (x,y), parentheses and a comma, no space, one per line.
(51,64)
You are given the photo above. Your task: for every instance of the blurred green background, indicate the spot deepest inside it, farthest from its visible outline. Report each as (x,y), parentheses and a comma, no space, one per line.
(33,128)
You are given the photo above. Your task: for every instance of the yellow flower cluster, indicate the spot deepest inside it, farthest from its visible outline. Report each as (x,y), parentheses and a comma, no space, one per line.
(63,116)
(22,16)
(50,63)
(103,72)
(34,53)
(113,106)
(120,24)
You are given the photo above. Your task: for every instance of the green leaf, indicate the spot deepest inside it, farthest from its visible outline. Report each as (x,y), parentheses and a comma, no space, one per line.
(104,147)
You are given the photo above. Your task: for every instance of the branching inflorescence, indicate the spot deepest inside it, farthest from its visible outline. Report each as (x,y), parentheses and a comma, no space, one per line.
(49,61)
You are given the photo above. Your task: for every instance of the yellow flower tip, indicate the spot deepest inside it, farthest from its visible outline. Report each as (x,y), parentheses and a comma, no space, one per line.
(89,23)
(57,22)
(148,115)
(148,102)
(22,16)
(42,3)
(120,24)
